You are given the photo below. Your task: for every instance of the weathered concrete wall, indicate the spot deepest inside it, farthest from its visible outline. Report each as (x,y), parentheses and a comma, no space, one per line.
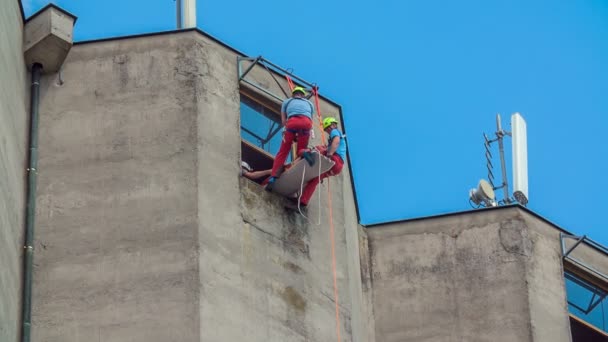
(545,278)
(266,274)
(490,275)
(13,138)
(365,288)
(117,236)
(148,233)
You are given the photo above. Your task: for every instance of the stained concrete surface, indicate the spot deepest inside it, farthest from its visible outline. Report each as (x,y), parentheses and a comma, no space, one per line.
(13,138)
(146,232)
(117,235)
(482,276)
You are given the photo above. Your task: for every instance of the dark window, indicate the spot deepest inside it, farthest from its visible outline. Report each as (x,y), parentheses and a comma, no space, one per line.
(260,125)
(261,131)
(588,307)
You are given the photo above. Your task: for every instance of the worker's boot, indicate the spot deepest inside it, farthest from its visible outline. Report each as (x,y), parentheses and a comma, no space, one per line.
(271,182)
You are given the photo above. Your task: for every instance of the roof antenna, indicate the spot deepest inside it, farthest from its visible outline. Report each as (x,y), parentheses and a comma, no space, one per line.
(484,195)
(188,13)
(519,143)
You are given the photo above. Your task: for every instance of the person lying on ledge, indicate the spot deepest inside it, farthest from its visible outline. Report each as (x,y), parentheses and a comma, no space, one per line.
(248,172)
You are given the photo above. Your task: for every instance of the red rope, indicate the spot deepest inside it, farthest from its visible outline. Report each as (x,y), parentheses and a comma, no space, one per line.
(315,91)
(289,82)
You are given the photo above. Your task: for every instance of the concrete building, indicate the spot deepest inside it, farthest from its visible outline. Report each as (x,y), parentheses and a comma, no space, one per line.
(13,148)
(146,232)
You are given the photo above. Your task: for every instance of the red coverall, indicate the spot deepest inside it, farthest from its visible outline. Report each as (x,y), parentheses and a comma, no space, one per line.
(297,128)
(310,187)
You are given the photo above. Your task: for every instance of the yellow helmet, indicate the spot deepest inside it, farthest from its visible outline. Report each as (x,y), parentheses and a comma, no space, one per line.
(328,121)
(300,89)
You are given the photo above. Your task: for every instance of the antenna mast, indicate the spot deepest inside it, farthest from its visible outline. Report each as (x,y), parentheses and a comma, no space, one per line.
(484,194)
(500,134)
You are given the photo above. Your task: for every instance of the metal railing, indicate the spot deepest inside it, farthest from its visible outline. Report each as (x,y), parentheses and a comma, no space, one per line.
(272,70)
(566,252)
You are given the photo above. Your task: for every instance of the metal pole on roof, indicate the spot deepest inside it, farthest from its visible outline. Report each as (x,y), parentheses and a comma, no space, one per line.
(505,183)
(189,13)
(178,13)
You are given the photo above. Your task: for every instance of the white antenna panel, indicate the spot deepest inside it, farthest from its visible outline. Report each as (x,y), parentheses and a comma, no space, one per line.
(189,13)
(520,158)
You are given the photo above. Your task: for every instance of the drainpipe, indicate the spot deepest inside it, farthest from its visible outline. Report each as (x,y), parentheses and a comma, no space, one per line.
(47,39)
(32,172)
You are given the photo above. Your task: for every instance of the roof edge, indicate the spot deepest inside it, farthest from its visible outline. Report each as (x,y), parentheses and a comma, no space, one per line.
(519,206)
(455,213)
(22,11)
(194,29)
(350,169)
(51,5)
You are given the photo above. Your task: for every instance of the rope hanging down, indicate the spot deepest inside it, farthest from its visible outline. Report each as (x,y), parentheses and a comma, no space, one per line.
(315,91)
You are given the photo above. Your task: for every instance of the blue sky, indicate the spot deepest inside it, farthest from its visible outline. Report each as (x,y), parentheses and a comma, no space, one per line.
(420,81)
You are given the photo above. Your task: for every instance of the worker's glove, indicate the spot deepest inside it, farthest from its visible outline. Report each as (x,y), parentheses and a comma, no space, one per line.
(322,149)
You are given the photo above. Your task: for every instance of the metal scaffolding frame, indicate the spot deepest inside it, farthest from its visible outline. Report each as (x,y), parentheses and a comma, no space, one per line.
(598,293)
(272,69)
(582,239)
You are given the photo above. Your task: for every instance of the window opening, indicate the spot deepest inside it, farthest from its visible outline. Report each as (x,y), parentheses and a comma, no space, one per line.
(260,125)
(587,304)
(584,298)
(261,132)
(586,291)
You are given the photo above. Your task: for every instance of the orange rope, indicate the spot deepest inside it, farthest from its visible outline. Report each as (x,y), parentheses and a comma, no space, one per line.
(333,259)
(289,82)
(315,91)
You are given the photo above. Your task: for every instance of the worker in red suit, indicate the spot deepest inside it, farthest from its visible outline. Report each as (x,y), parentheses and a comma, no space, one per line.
(335,150)
(296,117)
